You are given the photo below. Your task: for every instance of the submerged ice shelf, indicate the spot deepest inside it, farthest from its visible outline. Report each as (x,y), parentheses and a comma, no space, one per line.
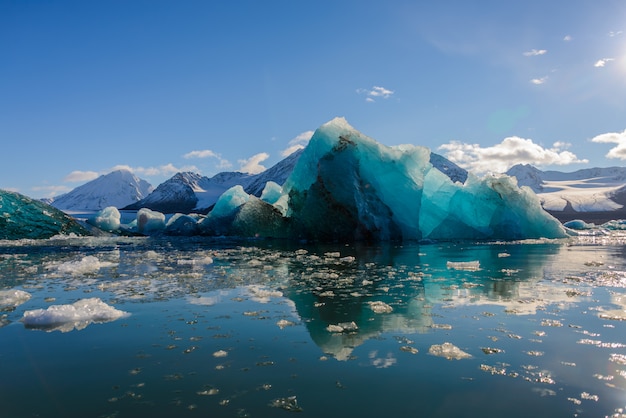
(348,187)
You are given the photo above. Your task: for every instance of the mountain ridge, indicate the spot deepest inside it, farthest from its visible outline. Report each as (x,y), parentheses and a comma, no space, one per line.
(117,188)
(596,194)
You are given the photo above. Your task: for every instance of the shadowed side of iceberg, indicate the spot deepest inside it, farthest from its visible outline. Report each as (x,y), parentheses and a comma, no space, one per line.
(347,186)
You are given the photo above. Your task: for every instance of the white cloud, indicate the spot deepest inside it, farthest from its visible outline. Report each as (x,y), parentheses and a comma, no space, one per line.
(567,38)
(207,153)
(253,164)
(619,138)
(535,52)
(512,150)
(51,191)
(615,33)
(162,170)
(603,62)
(538,81)
(380,92)
(79,176)
(299,142)
(375,92)
(201,154)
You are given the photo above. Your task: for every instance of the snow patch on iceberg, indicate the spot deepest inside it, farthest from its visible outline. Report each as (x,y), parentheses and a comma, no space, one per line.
(77,316)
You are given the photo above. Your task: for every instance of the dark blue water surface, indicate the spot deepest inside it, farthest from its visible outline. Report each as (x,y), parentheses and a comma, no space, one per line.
(261,329)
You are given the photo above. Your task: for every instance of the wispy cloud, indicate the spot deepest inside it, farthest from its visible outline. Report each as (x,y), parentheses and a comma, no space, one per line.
(375,92)
(618,138)
(538,81)
(602,62)
(162,170)
(51,191)
(299,142)
(567,38)
(78,176)
(613,33)
(512,150)
(535,52)
(207,153)
(253,165)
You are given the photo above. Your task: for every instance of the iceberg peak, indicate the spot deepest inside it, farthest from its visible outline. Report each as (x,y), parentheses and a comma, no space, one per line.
(346,186)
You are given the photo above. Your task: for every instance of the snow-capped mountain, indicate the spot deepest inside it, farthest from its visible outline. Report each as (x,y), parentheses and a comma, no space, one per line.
(587,193)
(118,188)
(192,192)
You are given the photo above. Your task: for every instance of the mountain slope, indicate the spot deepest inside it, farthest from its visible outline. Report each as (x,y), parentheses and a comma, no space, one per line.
(192,192)
(118,188)
(593,194)
(187,192)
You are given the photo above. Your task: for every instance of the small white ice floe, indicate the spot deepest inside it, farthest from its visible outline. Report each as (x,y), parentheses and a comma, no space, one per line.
(380,307)
(12,298)
(449,351)
(342,327)
(87,265)
(464,265)
(66,318)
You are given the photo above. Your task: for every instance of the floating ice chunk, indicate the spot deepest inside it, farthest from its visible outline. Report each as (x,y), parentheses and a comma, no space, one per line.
(220,353)
(289,403)
(464,265)
(78,315)
(107,219)
(12,298)
(380,307)
(449,351)
(202,261)
(150,221)
(283,323)
(87,265)
(271,193)
(343,327)
(263,295)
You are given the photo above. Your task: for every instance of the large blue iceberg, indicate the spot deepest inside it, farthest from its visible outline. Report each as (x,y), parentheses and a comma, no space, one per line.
(23,217)
(346,187)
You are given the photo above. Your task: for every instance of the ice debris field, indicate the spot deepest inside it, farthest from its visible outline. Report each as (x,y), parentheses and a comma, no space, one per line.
(170,326)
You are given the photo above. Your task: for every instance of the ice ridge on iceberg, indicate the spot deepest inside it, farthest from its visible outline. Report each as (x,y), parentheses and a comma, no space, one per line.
(346,186)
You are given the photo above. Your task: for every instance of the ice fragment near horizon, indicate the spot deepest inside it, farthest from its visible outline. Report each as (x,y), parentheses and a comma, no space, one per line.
(77,316)
(107,219)
(150,221)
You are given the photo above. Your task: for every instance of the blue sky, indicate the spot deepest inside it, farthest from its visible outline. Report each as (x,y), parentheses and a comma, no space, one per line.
(208,86)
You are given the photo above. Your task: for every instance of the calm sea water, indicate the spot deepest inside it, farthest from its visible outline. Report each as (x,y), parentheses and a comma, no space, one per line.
(262,329)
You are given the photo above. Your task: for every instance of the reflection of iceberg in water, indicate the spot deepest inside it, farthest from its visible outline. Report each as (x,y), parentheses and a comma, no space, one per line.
(411,281)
